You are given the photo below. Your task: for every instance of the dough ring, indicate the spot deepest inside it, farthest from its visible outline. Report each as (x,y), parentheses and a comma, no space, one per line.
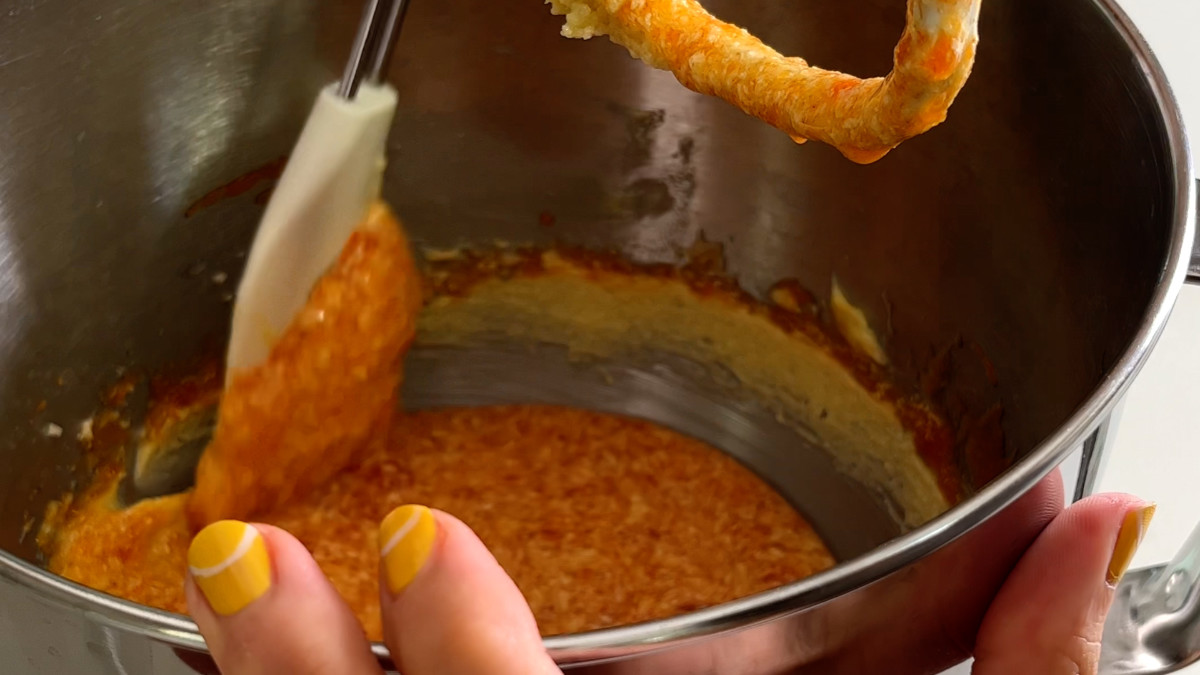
(863,118)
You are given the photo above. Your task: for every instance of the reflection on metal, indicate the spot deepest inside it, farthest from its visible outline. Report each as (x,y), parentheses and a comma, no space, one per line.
(1094,455)
(1194,266)
(1154,624)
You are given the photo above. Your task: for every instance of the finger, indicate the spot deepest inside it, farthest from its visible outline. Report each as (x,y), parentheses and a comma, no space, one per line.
(264,606)
(448,607)
(1049,615)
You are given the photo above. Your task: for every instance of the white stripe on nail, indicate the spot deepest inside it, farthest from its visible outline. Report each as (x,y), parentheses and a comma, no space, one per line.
(243,547)
(400,533)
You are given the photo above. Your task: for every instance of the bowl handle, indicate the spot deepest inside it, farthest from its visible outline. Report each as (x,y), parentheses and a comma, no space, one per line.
(1154,624)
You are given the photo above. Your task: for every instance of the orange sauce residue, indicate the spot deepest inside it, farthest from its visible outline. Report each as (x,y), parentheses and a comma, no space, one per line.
(792,308)
(239,186)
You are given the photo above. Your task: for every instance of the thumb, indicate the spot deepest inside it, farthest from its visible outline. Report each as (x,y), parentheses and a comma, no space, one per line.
(448,607)
(255,591)
(1049,615)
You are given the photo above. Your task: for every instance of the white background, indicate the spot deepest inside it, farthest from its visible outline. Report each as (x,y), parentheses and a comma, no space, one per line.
(1156,451)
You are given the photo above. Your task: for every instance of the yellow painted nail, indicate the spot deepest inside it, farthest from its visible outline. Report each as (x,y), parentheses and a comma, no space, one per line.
(1133,529)
(230,565)
(406,538)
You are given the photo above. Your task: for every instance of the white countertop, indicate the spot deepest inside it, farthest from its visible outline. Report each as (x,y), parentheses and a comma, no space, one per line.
(1155,453)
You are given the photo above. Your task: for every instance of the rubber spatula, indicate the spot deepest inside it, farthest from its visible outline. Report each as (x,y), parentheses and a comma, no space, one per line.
(332,176)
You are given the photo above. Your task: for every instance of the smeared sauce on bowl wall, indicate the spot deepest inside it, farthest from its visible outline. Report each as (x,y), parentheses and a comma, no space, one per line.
(602,520)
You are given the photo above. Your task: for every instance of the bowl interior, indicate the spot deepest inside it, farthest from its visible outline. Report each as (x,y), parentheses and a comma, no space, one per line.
(1019,242)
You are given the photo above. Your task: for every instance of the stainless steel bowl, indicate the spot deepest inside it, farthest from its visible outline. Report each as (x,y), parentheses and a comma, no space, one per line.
(1048,221)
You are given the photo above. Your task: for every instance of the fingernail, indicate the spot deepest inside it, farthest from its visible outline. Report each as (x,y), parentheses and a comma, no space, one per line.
(1133,529)
(405,539)
(229,562)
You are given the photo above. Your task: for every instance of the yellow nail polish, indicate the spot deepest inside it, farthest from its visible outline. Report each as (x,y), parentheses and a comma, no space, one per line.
(229,562)
(406,538)
(1133,529)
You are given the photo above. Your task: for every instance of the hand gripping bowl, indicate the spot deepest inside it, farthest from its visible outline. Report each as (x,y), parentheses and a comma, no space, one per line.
(1048,222)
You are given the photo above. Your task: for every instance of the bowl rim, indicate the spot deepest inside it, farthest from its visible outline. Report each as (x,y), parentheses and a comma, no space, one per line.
(609,643)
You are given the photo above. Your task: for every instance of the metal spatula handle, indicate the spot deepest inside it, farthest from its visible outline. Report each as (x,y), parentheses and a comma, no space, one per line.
(373,45)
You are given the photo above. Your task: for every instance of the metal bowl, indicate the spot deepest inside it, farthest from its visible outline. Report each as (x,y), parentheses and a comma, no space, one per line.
(1048,222)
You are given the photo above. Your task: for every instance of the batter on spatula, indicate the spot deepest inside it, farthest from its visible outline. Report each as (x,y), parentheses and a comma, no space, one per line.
(326,391)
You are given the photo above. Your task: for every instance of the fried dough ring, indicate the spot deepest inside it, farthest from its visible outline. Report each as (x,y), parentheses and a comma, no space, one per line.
(863,118)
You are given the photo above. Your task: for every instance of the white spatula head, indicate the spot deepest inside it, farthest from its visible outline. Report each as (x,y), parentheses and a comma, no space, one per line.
(332,176)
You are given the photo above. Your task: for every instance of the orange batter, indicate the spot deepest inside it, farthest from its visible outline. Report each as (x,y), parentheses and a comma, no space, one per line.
(601,520)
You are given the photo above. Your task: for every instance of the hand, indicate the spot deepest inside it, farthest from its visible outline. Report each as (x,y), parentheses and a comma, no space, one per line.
(449,609)
(1049,615)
